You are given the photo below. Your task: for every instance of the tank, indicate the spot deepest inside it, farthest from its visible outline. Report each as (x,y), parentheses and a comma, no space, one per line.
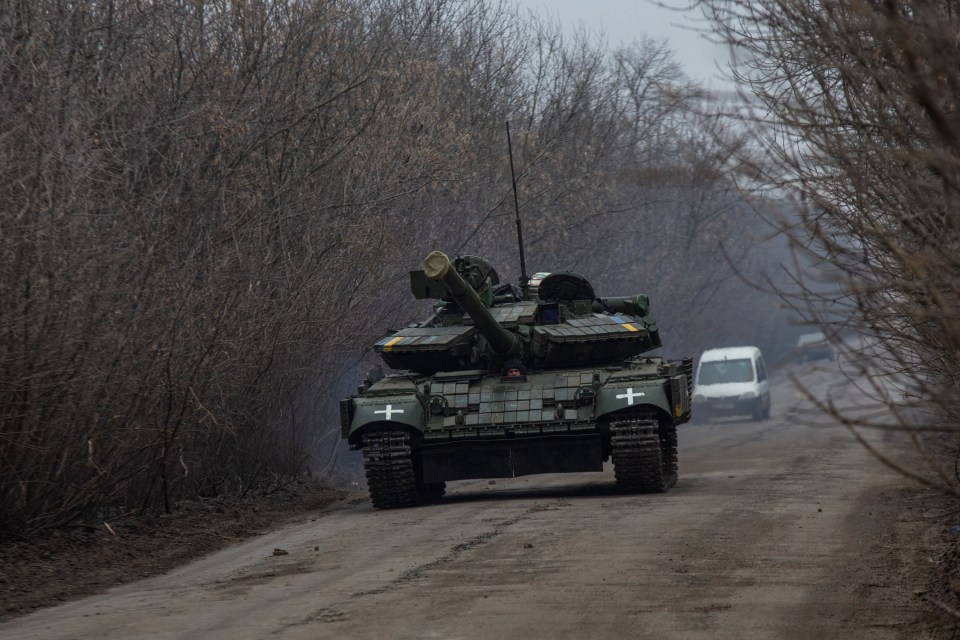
(504,381)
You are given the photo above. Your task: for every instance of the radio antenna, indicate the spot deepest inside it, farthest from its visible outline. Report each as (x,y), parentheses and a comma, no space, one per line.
(516,206)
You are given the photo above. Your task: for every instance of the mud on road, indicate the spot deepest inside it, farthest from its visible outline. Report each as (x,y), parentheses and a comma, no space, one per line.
(778,529)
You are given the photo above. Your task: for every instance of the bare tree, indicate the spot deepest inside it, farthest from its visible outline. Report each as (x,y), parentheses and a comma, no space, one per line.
(855,107)
(207,211)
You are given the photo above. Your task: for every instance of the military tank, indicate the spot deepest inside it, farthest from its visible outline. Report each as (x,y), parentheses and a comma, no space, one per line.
(504,381)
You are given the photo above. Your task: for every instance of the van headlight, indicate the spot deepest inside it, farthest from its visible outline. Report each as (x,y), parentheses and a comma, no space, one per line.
(698,397)
(749,395)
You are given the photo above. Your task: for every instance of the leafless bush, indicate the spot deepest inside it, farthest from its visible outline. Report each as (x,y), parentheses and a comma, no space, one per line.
(209,208)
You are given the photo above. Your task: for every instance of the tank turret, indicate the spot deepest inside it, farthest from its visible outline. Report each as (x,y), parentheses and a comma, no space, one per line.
(479,323)
(503,343)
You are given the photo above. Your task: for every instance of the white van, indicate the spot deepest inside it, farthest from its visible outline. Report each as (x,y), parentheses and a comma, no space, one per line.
(731,381)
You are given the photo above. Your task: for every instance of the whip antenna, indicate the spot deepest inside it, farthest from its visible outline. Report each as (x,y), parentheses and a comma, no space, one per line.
(516,206)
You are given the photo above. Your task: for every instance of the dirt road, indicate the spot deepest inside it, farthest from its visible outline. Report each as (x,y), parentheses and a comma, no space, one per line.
(775,530)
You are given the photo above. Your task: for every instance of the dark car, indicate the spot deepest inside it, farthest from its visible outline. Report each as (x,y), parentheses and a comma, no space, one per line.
(813,346)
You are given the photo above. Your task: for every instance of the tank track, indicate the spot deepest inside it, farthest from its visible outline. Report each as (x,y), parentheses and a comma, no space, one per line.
(668,453)
(638,463)
(388,461)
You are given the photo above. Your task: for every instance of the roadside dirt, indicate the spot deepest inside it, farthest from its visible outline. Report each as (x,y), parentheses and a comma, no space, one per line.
(936,564)
(781,529)
(85,560)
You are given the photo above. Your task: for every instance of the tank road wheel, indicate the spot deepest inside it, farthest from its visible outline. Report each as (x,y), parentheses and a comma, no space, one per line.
(668,453)
(636,452)
(388,460)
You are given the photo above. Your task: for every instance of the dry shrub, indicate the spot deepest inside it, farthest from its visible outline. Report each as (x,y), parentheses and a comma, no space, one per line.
(209,209)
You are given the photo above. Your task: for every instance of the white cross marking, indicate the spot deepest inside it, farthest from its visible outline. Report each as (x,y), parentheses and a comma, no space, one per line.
(630,395)
(389,411)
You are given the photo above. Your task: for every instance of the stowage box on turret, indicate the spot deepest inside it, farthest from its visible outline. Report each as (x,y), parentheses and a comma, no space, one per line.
(501,382)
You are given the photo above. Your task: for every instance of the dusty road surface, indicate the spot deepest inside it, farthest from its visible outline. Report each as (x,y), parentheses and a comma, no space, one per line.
(777,529)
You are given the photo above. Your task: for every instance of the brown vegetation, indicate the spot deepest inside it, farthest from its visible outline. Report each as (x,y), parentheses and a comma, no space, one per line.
(859,123)
(208,211)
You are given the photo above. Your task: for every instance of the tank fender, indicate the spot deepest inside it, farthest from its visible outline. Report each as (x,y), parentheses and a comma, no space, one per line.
(405,409)
(625,394)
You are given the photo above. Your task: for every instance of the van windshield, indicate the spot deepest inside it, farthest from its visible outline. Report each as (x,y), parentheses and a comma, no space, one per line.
(721,371)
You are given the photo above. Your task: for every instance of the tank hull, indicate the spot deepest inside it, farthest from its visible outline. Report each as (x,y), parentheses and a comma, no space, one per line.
(470,424)
(511,457)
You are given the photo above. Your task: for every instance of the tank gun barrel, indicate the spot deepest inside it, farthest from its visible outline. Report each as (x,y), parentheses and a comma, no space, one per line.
(502,342)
